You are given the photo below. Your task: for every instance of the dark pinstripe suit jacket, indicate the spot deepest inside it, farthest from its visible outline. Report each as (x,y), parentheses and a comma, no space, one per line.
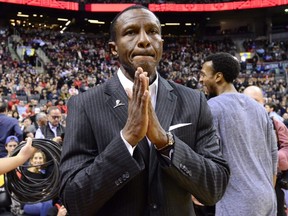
(99,176)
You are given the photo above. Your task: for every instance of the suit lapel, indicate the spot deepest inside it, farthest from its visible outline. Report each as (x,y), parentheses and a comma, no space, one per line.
(165,108)
(115,92)
(166,104)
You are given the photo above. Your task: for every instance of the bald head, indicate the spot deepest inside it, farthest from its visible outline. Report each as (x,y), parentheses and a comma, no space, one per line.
(255,93)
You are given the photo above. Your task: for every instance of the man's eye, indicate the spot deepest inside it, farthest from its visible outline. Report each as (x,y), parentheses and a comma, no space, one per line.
(154,31)
(130,32)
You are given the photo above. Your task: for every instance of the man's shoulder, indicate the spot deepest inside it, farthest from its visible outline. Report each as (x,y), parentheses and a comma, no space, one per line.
(8,119)
(182,89)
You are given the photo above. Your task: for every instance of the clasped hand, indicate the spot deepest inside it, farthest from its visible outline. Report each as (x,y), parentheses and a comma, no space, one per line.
(142,120)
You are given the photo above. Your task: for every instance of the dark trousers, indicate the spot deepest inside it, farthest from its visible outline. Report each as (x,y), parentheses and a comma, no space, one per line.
(204,210)
(280,200)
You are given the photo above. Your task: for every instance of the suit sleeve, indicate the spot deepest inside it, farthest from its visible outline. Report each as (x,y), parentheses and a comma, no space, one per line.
(86,174)
(18,131)
(201,170)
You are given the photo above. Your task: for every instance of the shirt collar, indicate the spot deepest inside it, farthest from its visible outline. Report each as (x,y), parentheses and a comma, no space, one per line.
(51,126)
(128,84)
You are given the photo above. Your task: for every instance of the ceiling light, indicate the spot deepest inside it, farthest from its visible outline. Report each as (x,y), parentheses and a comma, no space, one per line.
(95,22)
(22,15)
(62,19)
(172,24)
(68,23)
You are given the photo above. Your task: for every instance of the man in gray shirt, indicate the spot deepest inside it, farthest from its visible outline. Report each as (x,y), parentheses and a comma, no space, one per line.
(247,140)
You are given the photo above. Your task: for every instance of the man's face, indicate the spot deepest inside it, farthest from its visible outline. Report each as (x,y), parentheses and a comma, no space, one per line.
(208,79)
(268,109)
(138,42)
(54,117)
(10,146)
(27,122)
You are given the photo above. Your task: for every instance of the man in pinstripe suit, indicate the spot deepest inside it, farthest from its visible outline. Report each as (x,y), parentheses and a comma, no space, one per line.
(138,144)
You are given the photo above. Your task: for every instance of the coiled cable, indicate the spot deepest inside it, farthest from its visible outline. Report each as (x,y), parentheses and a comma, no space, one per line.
(29,190)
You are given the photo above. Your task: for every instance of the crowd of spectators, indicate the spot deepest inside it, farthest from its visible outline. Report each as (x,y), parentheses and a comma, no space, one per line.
(267,51)
(79,62)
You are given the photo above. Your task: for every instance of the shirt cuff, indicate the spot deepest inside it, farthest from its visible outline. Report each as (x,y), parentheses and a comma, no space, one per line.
(129,147)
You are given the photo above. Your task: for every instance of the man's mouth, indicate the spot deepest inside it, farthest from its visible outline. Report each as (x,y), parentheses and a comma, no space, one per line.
(143,55)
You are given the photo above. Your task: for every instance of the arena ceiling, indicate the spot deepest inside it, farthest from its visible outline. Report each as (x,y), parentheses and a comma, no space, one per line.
(79,20)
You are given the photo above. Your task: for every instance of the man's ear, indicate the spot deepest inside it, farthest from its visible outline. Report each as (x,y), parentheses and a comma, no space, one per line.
(219,76)
(113,48)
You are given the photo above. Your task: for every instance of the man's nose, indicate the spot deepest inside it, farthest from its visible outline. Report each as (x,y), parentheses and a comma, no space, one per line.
(200,80)
(144,40)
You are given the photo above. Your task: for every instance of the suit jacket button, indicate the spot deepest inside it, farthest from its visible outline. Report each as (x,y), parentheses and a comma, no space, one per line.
(127,175)
(154,206)
(120,180)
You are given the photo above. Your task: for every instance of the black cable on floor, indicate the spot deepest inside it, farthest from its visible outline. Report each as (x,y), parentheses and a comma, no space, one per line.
(26,189)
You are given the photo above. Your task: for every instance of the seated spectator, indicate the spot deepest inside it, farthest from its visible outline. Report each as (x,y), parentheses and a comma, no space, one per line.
(61,105)
(28,126)
(73,90)
(11,143)
(13,101)
(21,108)
(26,135)
(29,111)
(36,171)
(15,114)
(41,119)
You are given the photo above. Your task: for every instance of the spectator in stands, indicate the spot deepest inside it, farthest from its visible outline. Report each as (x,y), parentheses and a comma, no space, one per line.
(44,95)
(29,112)
(53,129)
(64,92)
(271,109)
(8,126)
(247,139)
(27,134)
(61,105)
(13,101)
(11,143)
(36,170)
(3,88)
(15,114)
(41,120)
(27,125)
(144,168)
(73,90)
(21,108)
